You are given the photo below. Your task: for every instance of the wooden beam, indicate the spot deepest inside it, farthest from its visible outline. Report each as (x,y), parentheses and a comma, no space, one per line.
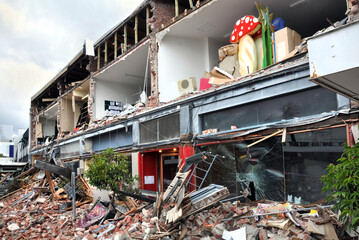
(265,138)
(176,8)
(49,99)
(105,51)
(66,172)
(136,29)
(147,18)
(49,180)
(125,38)
(115,46)
(190,3)
(98,57)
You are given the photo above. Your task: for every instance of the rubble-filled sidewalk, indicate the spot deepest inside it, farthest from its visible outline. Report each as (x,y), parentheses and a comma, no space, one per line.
(41,209)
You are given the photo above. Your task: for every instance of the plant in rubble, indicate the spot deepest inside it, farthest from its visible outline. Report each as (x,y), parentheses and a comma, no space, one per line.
(342,184)
(13,185)
(110,171)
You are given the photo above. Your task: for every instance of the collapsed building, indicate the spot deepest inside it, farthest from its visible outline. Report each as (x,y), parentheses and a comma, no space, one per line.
(136,91)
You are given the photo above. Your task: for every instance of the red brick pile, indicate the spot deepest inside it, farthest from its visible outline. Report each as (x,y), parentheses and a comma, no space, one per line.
(33,213)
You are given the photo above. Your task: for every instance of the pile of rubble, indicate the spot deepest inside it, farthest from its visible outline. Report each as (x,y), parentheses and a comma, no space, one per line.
(42,209)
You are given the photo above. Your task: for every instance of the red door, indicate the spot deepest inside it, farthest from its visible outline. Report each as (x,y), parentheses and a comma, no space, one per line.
(148,171)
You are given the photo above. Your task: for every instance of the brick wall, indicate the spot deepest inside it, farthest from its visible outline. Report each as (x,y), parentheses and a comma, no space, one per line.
(33,127)
(163,12)
(91,100)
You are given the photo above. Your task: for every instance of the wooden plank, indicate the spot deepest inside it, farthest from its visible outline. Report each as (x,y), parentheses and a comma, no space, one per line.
(284,135)
(9,194)
(53,168)
(190,3)
(106,51)
(330,233)
(125,38)
(49,180)
(147,18)
(265,138)
(78,204)
(136,29)
(316,229)
(98,57)
(115,46)
(176,8)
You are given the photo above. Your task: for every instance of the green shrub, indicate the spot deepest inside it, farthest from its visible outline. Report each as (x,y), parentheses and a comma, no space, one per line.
(110,171)
(13,185)
(342,184)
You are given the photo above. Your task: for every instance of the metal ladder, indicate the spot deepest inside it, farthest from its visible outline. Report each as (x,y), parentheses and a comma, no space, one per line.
(206,171)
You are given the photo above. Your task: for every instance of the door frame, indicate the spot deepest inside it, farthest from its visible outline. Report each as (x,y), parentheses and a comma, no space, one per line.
(161,165)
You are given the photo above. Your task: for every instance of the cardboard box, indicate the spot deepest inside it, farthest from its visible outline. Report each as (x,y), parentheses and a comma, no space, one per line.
(230,64)
(284,42)
(218,77)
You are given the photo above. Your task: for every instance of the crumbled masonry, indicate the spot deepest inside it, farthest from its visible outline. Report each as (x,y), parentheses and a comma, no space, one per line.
(35,212)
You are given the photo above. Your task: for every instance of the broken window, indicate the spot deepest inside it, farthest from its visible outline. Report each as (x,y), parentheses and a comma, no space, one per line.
(164,128)
(300,104)
(274,170)
(259,168)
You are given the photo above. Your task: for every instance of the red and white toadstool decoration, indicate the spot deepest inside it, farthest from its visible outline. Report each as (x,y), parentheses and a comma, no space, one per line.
(246,25)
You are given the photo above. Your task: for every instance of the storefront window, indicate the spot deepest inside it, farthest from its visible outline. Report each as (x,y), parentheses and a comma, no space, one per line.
(160,129)
(276,170)
(306,157)
(300,104)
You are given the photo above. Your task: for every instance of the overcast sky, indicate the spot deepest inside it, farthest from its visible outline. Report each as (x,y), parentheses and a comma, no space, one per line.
(38,38)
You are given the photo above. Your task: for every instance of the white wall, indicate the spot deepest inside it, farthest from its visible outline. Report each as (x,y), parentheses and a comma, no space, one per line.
(67,115)
(213,47)
(111,91)
(180,58)
(48,127)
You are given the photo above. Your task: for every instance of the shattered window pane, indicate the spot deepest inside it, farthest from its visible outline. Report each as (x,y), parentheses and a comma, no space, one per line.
(259,168)
(223,171)
(306,157)
(300,104)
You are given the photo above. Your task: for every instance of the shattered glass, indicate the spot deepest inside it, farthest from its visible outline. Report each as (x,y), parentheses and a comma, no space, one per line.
(259,169)
(274,170)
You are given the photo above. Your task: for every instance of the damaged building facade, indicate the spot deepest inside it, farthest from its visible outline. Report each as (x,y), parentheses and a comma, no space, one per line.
(277,128)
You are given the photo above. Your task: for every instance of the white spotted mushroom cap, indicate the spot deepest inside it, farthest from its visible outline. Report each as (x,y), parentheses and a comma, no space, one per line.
(246,25)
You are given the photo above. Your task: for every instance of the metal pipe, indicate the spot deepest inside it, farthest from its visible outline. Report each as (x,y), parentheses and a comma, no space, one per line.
(74,194)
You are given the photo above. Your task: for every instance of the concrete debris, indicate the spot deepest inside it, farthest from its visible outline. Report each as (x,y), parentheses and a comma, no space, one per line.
(178,213)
